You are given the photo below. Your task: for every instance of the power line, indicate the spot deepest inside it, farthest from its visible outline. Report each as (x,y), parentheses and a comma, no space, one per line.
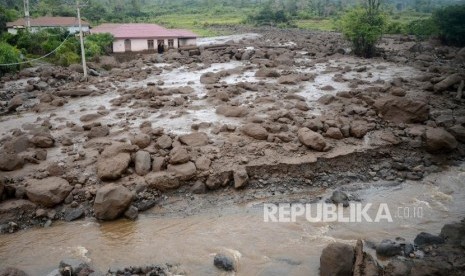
(39,58)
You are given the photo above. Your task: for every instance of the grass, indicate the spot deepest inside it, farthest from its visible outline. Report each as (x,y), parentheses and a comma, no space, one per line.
(316,24)
(200,24)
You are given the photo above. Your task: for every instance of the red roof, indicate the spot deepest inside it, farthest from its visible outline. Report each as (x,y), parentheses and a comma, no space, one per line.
(141,30)
(49,22)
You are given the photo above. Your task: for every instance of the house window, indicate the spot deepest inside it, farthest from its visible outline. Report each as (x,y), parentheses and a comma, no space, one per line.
(150,44)
(170,43)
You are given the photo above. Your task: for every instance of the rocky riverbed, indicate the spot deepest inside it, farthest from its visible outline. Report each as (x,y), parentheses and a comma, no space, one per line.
(276,112)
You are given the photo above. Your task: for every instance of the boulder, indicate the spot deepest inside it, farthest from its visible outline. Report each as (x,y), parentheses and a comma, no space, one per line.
(48,192)
(334,133)
(255,131)
(459,132)
(111,201)
(232,111)
(224,262)
(141,140)
(402,110)
(195,139)
(159,163)
(447,82)
(337,259)
(219,179)
(17,144)
(183,171)
(267,73)
(98,131)
(388,248)
(438,139)
(10,161)
(289,79)
(339,197)
(241,178)
(73,214)
(203,163)
(113,167)
(164,142)
(179,155)
(14,103)
(43,140)
(427,239)
(358,128)
(454,233)
(142,162)
(89,117)
(131,213)
(162,181)
(311,139)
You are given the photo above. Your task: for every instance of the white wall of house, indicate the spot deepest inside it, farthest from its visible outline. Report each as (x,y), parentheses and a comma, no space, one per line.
(13,30)
(138,45)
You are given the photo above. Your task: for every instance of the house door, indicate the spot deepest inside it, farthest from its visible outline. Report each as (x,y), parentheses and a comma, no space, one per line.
(150,44)
(127,45)
(161,46)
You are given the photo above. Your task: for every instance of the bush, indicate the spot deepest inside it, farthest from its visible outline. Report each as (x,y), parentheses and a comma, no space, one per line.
(9,54)
(451,24)
(268,16)
(395,28)
(422,28)
(104,42)
(363,27)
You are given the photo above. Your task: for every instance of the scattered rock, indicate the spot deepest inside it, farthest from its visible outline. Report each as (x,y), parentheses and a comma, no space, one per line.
(131,213)
(402,110)
(10,161)
(224,262)
(164,142)
(49,191)
(232,111)
(203,163)
(195,139)
(141,140)
(111,201)
(184,171)
(98,131)
(162,181)
(388,248)
(438,139)
(427,239)
(73,214)
(179,155)
(113,167)
(255,131)
(447,82)
(241,178)
(311,139)
(339,197)
(143,162)
(43,140)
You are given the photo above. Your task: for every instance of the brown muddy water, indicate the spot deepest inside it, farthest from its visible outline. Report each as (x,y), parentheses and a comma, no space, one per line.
(261,247)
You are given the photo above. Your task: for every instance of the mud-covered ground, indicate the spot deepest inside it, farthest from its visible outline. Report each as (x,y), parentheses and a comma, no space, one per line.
(271,112)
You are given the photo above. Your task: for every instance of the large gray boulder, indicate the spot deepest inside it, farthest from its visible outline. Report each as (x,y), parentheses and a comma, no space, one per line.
(111,201)
(49,191)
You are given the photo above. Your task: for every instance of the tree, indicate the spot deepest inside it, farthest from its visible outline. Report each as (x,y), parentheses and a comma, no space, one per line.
(363,27)
(451,23)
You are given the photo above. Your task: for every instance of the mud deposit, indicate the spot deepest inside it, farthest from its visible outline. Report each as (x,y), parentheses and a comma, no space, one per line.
(189,145)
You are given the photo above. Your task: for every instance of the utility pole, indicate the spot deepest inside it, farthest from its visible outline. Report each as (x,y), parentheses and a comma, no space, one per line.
(81,37)
(27,15)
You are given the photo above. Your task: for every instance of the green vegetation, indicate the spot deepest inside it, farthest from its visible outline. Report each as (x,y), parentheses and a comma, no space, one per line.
(451,24)
(363,27)
(8,54)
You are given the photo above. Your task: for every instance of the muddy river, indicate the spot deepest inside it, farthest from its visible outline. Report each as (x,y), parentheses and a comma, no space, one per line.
(262,248)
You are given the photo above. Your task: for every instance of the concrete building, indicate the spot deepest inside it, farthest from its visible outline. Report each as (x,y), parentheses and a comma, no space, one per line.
(145,37)
(69,23)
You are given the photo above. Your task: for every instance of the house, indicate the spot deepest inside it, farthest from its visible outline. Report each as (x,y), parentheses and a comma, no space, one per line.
(69,23)
(135,37)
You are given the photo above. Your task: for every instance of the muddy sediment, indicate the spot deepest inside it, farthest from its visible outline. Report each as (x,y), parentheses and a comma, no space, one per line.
(271,110)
